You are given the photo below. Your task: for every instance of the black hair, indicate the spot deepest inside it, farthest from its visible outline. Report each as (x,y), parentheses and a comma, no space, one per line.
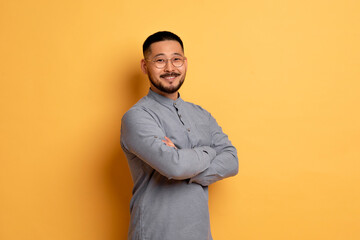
(160,36)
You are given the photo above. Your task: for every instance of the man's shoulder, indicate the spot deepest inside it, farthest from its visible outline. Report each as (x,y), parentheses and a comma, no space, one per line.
(196,107)
(139,107)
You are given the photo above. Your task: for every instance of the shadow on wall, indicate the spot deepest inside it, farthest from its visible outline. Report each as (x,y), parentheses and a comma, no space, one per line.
(116,171)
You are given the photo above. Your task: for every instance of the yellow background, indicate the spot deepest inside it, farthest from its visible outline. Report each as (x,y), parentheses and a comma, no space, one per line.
(281,77)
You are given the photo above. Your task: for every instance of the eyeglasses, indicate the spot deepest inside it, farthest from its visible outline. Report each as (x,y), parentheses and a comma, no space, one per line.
(161,62)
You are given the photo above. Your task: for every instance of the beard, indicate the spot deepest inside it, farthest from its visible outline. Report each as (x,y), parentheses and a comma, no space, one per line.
(171,89)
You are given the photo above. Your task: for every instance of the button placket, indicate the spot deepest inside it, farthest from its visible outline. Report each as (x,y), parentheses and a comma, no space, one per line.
(179,114)
(186,125)
(181,118)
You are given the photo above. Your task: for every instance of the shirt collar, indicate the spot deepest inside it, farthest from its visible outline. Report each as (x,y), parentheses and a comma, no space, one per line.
(164,100)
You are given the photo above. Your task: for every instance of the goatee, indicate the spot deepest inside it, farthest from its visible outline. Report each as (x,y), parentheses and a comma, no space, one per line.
(171,89)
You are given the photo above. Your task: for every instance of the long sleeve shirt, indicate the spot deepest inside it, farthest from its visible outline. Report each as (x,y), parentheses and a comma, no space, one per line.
(170,193)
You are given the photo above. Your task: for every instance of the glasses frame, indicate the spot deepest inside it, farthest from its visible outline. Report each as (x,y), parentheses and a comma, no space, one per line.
(166,61)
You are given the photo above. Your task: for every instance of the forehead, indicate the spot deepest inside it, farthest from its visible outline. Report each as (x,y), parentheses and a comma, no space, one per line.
(167,48)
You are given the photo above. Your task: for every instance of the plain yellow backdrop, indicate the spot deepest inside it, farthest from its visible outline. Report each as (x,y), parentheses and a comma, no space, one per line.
(281,78)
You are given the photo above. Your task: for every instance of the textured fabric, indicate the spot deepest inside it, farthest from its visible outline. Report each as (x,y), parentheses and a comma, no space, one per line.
(170,194)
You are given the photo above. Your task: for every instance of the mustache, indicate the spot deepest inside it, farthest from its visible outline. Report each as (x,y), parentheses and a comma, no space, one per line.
(170,75)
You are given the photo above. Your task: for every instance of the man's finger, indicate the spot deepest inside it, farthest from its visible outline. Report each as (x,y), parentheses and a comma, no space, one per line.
(168,142)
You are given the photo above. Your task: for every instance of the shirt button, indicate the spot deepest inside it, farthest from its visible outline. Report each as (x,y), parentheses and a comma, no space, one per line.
(188,129)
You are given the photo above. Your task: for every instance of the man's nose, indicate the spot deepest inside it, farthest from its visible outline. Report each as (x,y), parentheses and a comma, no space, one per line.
(169,67)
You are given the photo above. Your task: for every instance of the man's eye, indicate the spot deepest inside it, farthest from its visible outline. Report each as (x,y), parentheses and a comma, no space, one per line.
(160,60)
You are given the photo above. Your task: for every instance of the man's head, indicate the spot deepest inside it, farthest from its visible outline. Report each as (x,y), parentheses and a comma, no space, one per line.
(164,63)
(158,37)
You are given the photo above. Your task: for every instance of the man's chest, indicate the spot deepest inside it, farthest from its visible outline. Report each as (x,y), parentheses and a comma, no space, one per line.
(185,127)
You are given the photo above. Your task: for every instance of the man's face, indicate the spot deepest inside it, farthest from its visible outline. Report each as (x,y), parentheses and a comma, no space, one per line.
(169,79)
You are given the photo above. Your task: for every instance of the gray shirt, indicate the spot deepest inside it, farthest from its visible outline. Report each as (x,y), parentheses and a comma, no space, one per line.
(170,194)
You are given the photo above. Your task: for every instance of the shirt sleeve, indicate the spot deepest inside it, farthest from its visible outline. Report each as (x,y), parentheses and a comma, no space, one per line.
(225,164)
(141,135)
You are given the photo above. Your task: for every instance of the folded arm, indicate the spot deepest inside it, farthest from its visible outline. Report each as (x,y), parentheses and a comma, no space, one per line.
(141,135)
(225,164)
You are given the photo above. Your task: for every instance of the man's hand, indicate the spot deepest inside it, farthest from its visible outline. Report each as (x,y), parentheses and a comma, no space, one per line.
(169,143)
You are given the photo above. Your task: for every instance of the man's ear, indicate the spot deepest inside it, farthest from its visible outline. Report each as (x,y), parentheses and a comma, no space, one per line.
(143,66)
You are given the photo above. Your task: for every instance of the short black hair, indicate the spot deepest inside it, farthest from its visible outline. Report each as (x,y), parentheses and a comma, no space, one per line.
(161,36)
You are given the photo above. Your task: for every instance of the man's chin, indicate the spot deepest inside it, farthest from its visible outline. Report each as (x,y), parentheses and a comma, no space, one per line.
(168,87)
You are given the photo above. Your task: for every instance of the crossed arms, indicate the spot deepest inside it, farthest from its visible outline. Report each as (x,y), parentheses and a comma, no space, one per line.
(141,136)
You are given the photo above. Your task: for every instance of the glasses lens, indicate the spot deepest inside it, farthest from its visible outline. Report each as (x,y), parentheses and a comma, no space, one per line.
(177,61)
(160,62)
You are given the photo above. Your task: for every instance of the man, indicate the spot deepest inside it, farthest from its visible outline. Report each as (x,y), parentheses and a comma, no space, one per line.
(175,150)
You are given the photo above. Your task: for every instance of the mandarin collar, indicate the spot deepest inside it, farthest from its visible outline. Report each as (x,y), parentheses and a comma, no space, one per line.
(164,100)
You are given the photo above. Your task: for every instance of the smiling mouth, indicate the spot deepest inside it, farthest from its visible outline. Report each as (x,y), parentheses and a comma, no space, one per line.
(170,76)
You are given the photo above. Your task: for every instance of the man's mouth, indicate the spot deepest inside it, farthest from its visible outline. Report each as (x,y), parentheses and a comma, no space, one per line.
(170,76)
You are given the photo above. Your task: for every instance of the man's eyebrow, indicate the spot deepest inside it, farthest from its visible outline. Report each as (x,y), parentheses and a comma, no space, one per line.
(163,54)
